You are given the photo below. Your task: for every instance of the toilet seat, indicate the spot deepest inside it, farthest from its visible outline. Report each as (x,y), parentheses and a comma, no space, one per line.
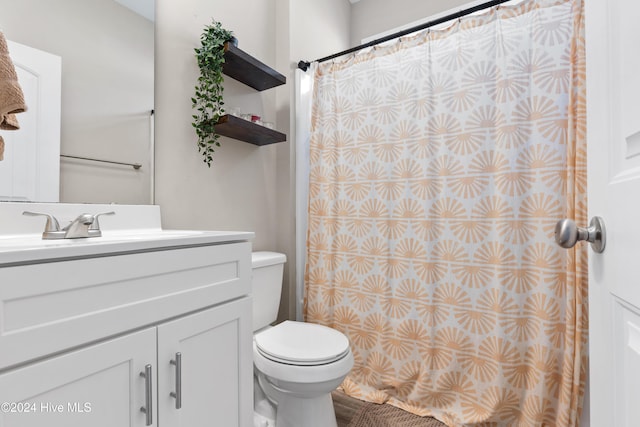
(302,344)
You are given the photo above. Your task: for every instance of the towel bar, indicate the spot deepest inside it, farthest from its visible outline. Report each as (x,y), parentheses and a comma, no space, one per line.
(133,165)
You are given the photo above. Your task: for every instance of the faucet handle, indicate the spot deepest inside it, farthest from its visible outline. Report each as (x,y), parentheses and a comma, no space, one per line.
(94,229)
(51,227)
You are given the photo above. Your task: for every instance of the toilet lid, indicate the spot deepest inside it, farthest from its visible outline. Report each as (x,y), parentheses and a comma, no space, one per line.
(299,343)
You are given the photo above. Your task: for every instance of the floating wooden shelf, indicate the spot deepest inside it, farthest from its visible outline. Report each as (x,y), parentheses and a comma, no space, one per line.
(244,130)
(248,70)
(243,67)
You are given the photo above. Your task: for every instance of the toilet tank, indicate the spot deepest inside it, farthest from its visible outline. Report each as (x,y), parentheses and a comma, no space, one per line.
(266,282)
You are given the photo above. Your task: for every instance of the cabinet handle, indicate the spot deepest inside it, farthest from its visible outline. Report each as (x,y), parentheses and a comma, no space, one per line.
(178,393)
(148,390)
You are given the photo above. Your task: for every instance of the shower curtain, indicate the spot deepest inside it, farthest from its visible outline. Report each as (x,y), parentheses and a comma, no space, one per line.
(439,166)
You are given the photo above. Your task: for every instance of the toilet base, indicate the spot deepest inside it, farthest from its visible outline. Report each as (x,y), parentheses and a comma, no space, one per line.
(306,412)
(262,421)
(301,409)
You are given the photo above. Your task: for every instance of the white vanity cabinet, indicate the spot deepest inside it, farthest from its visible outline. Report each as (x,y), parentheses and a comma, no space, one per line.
(76,333)
(214,368)
(99,385)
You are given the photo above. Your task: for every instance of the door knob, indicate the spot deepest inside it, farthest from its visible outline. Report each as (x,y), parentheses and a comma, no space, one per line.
(568,234)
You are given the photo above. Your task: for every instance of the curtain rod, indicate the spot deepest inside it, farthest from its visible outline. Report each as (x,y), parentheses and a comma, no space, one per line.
(304,65)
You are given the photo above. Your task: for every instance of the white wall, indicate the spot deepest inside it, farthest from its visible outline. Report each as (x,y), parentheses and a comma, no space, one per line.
(239,191)
(107,90)
(319,28)
(371,17)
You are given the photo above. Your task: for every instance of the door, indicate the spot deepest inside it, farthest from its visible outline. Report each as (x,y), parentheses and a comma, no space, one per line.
(205,368)
(98,386)
(613,129)
(30,170)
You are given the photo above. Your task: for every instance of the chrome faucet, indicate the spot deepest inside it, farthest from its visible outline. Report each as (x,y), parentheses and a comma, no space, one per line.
(79,227)
(85,225)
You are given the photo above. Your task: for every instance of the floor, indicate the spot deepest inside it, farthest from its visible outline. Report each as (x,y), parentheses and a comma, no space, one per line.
(352,412)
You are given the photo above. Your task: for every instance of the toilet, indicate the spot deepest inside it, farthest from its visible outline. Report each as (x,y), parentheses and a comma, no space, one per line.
(296,365)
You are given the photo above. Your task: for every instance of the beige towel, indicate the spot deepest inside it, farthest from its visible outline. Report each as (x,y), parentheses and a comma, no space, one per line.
(11,96)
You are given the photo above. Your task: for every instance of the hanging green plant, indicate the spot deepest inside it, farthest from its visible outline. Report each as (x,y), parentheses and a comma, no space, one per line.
(208,100)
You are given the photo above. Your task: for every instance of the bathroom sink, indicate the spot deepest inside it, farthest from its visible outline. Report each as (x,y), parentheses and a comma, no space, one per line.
(130,229)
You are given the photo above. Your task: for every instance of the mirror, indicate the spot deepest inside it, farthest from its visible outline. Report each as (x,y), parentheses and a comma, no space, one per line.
(107,94)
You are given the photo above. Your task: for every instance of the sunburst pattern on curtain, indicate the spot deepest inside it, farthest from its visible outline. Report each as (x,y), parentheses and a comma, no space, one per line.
(438,169)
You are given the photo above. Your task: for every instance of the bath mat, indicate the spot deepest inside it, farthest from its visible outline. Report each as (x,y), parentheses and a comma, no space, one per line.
(352,412)
(372,415)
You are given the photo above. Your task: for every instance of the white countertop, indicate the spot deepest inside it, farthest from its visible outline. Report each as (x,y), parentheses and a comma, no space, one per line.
(132,229)
(30,249)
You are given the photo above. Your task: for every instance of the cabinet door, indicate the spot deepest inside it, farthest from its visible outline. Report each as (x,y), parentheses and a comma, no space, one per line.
(216,367)
(98,386)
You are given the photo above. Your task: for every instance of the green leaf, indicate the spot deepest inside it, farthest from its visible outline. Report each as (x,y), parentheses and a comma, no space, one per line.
(208,99)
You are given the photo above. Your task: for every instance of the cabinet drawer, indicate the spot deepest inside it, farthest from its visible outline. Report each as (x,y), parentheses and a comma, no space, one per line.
(46,308)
